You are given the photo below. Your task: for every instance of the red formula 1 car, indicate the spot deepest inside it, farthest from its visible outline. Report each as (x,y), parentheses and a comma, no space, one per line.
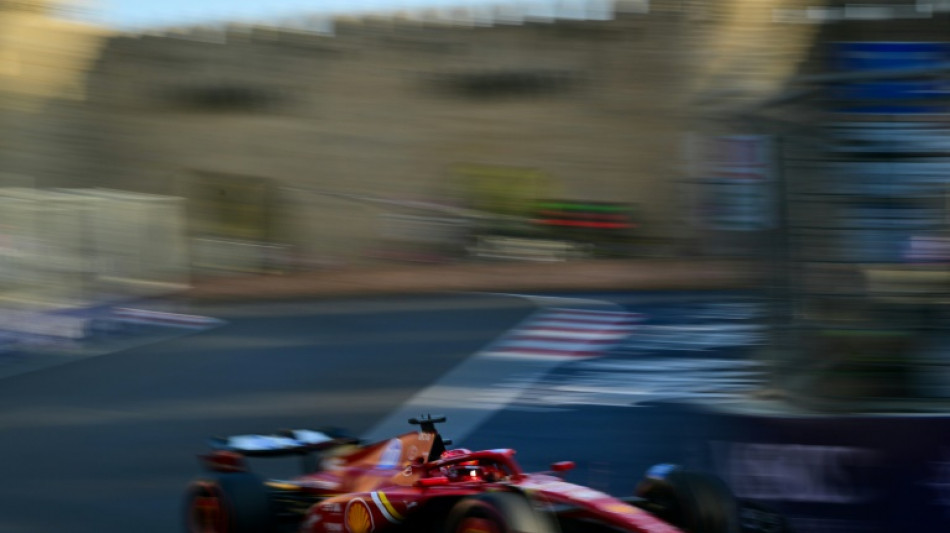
(413,483)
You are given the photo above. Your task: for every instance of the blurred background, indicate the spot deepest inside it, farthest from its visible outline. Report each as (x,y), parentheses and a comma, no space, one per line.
(147,147)
(794,150)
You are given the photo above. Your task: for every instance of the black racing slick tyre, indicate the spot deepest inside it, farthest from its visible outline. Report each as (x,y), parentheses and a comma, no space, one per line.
(236,502)
(498,512)
(693,501)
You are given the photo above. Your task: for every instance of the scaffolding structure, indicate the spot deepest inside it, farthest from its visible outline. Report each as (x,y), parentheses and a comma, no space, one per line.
(69,248)
(860,256)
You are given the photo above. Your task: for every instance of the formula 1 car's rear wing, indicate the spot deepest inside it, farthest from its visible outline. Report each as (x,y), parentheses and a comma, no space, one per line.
(289,442)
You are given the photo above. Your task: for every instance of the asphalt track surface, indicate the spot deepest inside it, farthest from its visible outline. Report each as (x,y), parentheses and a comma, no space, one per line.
(106,444)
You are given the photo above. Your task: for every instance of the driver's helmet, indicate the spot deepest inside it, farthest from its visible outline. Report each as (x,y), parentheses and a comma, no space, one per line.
(461,470)
(458,452)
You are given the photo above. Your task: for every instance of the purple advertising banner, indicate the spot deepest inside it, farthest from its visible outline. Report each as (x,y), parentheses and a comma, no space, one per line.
(836,473)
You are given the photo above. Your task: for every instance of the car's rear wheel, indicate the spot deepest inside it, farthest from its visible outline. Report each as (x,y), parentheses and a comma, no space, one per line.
(228,503)
(205,511)
(694,501)
(499,512)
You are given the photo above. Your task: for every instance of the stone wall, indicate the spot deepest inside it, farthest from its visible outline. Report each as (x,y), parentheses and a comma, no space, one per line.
(386,108)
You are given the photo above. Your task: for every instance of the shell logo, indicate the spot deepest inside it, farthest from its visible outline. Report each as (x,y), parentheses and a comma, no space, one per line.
(358,517)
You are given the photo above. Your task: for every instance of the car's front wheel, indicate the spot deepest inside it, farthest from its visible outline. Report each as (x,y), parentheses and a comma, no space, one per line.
(694,501)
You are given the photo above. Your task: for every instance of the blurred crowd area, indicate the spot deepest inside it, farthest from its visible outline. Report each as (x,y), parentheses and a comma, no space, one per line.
(808,137)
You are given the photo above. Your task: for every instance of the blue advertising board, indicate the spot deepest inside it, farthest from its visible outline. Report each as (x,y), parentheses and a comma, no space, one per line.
(922,95)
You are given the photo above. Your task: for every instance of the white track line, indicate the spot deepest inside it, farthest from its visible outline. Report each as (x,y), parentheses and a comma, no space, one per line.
(161,318)
(479,387)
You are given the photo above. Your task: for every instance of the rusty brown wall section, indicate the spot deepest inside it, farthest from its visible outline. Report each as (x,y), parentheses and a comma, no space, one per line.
(383,109)
(386,108)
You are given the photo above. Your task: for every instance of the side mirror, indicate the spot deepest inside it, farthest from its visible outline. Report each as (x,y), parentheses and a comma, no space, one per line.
(562,466)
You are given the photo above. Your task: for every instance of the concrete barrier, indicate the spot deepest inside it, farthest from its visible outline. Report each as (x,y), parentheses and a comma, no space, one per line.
(569,276)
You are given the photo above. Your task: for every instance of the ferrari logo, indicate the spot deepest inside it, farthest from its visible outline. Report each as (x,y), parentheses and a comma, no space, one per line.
(622,508)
